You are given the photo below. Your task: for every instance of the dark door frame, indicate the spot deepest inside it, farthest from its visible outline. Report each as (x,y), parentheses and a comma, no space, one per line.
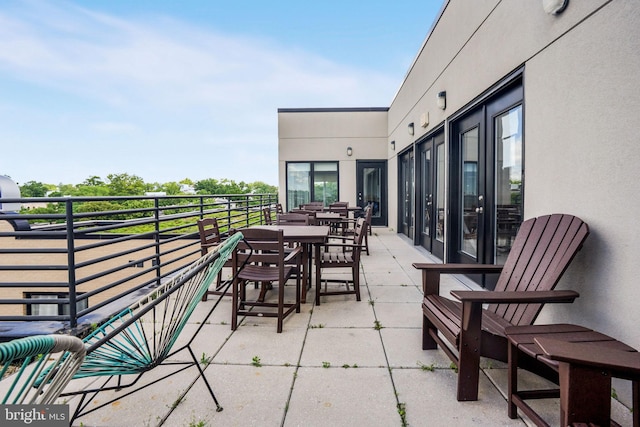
(503,96)
(428,198)
(408,229)
(381,220)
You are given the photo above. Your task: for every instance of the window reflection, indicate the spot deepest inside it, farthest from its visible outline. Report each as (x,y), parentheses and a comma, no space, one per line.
(508,145)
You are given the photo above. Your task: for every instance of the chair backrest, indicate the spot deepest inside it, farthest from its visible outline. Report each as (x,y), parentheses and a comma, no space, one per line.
(541,252)
(359,232)
(293,219)
(39,376)
(340,207)
(260,246)
(209,234)
(266,213)
(368,212)
(312,206)
(143,335)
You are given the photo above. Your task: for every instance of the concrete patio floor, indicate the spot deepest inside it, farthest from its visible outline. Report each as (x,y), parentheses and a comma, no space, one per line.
(343,363)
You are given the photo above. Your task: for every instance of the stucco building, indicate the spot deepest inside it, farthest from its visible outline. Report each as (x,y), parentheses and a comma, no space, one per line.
(507,112)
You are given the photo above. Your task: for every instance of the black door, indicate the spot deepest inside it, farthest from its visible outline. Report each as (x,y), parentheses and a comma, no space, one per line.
(371,186)
(431,194)
(405,194)
(487,181)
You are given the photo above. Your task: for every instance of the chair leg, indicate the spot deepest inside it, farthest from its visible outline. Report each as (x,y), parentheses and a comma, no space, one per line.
(512,410)
(428,343)
(469,352)
(366,241)
(636,403)
(318,279)
(356,281)
(280,305)
(234,305)
(468,374)
(298,291)
(585,395)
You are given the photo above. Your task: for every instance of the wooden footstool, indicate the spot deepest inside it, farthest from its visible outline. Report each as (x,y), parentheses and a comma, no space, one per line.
(585,392)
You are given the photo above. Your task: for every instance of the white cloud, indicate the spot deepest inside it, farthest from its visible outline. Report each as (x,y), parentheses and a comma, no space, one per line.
(163,82)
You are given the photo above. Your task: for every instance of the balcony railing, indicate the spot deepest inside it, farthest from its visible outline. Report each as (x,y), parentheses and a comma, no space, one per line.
(87,258)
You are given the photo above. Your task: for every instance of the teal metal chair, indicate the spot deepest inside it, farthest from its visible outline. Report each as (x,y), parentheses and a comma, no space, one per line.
(142,336)
(36,369)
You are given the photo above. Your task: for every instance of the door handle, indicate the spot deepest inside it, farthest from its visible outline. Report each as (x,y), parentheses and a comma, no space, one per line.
(480,209)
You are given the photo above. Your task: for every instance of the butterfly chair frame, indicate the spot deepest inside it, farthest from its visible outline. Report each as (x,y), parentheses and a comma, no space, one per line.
(44,365)
(142,336)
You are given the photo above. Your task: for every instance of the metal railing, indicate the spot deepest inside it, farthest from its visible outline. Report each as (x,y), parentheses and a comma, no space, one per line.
(81,259)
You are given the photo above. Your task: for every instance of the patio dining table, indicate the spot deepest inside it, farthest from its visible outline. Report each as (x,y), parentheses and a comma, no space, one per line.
(307,236)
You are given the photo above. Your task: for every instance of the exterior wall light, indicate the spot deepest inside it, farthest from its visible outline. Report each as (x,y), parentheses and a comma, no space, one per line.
(554,7)
(410,128)
(393,145)
(349,151)
(442,100)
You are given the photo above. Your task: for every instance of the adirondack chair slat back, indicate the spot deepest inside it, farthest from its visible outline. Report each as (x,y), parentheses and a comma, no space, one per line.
(541,253)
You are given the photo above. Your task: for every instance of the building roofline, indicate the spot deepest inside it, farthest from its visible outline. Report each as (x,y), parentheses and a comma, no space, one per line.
(333,110)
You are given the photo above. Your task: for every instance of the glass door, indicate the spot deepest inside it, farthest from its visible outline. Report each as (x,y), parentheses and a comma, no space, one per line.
(405,194)
(467,201)
(431,194)
(487,181)
(372,189)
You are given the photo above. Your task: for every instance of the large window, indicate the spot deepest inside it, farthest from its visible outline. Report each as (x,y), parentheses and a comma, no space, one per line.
(311,182)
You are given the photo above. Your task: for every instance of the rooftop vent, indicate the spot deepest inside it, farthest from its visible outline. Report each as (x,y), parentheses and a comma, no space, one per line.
(9,190)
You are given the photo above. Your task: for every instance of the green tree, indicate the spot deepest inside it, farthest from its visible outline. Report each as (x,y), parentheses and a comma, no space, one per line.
(171,188)
(207,186)
(259,187)
(92,186)
(124,184)
(65,190)
(33,189)
(92,181)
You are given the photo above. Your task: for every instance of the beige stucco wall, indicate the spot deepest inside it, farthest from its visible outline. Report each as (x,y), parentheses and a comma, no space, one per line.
(316,135)
(581,99)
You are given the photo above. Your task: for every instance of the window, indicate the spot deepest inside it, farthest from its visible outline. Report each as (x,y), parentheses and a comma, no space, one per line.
(52,309)
(311,182)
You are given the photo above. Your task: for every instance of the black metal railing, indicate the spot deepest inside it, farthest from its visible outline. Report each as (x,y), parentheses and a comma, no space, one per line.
(79,260)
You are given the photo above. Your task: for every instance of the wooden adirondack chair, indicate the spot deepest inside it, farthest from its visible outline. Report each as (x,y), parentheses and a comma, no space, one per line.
(540,254)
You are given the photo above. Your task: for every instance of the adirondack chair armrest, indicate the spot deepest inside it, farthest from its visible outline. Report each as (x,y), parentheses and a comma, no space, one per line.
(592,355)
(431,273)
(296,253)
(517,297)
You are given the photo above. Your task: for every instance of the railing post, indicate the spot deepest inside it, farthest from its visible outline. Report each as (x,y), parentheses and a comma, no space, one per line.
(71,265)
(157,239)
(247,209)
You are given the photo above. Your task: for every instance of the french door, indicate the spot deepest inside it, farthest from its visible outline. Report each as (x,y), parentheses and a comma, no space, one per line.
(487,181)
(405,194)
(431,199)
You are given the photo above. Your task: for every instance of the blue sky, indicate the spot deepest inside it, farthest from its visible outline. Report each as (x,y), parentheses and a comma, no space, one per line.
(168,90)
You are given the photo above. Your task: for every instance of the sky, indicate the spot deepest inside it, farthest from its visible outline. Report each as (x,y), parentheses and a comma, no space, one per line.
(168,90)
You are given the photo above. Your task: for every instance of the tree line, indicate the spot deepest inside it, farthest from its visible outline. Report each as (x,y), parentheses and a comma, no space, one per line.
(124,184)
